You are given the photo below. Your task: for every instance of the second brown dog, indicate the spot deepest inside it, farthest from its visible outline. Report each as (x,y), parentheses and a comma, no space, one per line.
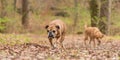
(93,33)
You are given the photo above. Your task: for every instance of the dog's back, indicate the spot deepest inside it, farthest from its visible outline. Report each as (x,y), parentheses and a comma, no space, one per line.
(93,32)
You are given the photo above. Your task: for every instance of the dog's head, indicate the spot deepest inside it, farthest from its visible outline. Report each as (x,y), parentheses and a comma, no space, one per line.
(52,30)
(102,35)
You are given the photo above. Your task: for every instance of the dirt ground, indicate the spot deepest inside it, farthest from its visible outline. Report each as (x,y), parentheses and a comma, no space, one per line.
(39,49)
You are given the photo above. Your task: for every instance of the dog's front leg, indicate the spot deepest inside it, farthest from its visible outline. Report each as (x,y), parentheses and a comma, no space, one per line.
(99,42)
(50,40)
(85,40)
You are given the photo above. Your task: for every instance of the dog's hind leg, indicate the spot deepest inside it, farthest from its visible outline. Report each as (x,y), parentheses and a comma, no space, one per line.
(60,42)
(94,44)
(85,40)
(92,39)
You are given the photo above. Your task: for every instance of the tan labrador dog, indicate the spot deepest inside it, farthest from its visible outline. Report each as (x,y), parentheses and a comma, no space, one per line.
(56,30)
(93,33)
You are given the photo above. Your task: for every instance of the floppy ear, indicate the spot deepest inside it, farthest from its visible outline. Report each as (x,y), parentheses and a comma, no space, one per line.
(46,26)
(57,27)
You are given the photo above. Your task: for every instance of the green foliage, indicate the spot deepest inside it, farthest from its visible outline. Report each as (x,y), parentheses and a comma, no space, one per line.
(3,21)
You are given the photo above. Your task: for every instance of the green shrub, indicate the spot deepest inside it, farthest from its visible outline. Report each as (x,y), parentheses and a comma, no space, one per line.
(3,22)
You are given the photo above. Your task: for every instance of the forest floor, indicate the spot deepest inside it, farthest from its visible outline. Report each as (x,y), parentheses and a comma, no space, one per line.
(37,47)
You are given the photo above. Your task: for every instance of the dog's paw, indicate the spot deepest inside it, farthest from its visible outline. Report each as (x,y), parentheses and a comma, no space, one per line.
(53,48)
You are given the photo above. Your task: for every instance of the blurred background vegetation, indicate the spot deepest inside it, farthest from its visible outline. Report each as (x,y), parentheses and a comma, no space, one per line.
(31,16)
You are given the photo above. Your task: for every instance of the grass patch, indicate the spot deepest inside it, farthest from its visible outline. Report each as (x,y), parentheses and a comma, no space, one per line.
(13,39)
(116,37)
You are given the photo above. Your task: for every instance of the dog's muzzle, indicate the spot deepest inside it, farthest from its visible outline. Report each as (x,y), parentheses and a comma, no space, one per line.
(50,35)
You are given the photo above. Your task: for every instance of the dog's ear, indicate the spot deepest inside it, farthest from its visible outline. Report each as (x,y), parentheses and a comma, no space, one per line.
(46,26)
(57,27)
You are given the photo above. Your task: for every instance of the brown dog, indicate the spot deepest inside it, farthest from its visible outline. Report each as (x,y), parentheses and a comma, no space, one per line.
(56,29)
(93,33)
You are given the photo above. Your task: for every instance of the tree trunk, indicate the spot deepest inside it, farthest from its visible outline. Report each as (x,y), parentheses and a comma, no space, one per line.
(76,14)
(94,11)
(25,13)
(3,11)
(100,11)
(15,4)
(109,16)
(104,16)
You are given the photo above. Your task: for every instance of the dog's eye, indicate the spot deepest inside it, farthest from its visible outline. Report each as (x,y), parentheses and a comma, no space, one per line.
(53,31)
(47,30)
